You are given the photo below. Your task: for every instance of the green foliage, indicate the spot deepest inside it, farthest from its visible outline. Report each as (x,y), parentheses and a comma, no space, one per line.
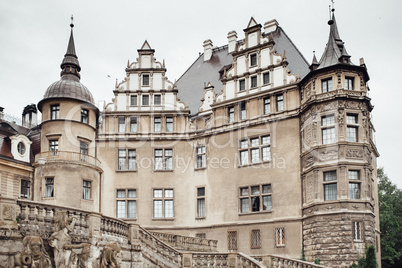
(390,204)
(317,261)
(354,265)
(368,261)
(303,258)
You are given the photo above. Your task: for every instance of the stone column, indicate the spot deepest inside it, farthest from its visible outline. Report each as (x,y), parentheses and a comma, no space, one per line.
(94,224)
(8,213)
(187,260)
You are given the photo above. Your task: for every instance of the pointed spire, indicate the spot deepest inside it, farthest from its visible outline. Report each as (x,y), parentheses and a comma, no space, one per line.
(70,63)
(314,63)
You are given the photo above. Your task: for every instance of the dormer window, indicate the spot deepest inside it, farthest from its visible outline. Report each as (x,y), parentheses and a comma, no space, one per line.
(21,148)
(349,83)
(145,80)
(253,60)
(326,85)
(54,112)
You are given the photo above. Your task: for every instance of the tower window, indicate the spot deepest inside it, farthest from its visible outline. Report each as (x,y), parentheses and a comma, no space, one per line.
(49,187)
(349,83)
(201,157)
(330,186)
(54,146)
(357,231)
(328,129)
(326,85)
(84,116)
(86,190)
(83,148)
(54,112)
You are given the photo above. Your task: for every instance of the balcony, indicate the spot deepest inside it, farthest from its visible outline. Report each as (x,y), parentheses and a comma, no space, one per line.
(55,156)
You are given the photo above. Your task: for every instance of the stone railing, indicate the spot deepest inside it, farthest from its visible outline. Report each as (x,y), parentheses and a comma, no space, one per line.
(209,260)
(52,156)
(188,243)
(157,251)
(114,227)
(283,262)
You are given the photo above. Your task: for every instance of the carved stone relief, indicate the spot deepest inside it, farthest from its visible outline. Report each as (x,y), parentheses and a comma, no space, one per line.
(328,155)
(354,153)
(8,212)
(341,117)
(33,255)
(109,256)
(310,188)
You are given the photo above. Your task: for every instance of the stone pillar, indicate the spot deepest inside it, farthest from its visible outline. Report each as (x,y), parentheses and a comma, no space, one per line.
(232,259)
(187,260)
(8,213)
(94,224)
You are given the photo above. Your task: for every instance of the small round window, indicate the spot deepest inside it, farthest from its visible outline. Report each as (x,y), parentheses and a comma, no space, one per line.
(21,148)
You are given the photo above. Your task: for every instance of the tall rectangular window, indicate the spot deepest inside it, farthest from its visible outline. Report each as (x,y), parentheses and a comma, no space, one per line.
(265,78)
(267,105)
(328,129)
(157,99)
(83,148)
(255,198)
(255,238)
(133,100)
(54,146)
(232,240)
(49,187)
(163,203)
(230,114)
(242,84)
(330,186)
(84,116)
(157,124)
(145,100)
(54,112)
(133,124)
(126,203)
(243,111)
(25,185)
(122,159)
(352,127)
(326,85)
(357,231)
(86,190)
(122,124)
(255,150)
(163,159)
(127,159)
(145,79)
(349,83)
(280,237)
(201,157)
(354,184)
(169,124)
(279,103)
(253,81)
(253,59)
(201,202)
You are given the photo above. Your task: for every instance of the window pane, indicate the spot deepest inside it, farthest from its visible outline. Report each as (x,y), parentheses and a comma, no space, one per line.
(266,153)
(266,78)
(254,81)
(201,207)
(157,208)
(168,159)
(279,103)
(157,100)
(330,176)
(201,191)
(168,208)
(121,209)
(145,80)
(330,191)
(169,124)
(133,100)
(132,160)
(255,190)
(243,157)
(157,124)
(254,142)
(328,135)
(242,85)
(351,119)
(131,209)
(327,120)
(121,193)
(244,205)
(255,203)
(354,190)
(169,193)
(231,114)
(353,174)
(133,124)
(267,106)
(266,140)
(158,193)
(255,155)
(132,194)
(243,144)
(244,191)
(266,202)
(145,100)
(351,133)
(266,189)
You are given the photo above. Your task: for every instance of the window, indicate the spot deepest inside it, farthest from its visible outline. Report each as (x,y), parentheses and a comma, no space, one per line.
(231,114)
(49,187)
(122,124)
(279,103)
(133,124)
(253,81)
(330,189)
(253,59)
(25,185)
(83,150)
(86,190)
(242,84)
(349,83)
(157,124)
(163,203)
(354,184)
(267,105)
(133,100)
(255,238)
(21,148)
(328,129)
(201,157)
(54,146)
(127,159)
(326,85)
(84,116)
(265,78)
(163,159)
(201,202)
(255,150)
(243,112)
(145,100)
(357,231)
(232,240)
(54,112)
(255,198)
(157,99)
(280,237)
(352,126)
(169,124)
(145,79)
(126,202)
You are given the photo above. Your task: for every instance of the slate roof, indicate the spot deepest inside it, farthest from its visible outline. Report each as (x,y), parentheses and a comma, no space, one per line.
(191,84)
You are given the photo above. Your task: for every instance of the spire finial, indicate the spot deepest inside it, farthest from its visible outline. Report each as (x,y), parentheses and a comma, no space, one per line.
(72,21)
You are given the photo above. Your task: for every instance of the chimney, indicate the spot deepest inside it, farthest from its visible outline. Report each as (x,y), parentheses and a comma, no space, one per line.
(232,41)
(1,113)
(29,116)
(270,26)
(207,49)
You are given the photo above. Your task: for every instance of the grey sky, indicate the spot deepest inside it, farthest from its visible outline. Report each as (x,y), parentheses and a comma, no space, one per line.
(34,36)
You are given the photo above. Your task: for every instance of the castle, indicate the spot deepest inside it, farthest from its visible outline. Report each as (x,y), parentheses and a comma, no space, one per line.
(252,146)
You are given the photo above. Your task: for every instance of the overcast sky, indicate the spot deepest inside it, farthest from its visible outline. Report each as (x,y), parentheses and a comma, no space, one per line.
(34,37)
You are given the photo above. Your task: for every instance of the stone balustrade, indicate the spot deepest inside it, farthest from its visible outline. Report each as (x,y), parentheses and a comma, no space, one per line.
(53,156)
(188,243)
(114,227)
(283,262)
(209,260)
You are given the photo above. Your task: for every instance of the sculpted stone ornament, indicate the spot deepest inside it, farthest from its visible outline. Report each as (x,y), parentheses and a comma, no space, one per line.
(34,255)
(109,256)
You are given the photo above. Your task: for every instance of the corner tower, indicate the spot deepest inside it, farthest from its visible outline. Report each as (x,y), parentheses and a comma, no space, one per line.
(67,171)
(338,158)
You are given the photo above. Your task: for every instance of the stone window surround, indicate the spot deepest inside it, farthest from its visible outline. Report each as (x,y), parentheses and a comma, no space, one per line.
(201,197)
(163,123)
(250,148)
(85,187)
(163,199)
(126,199)
(250,197)
(325,81)
(163,157)
(127,160)
(322,127)
(255,238)
(330,169)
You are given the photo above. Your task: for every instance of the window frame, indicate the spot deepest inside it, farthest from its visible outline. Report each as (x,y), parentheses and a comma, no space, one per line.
(249,196)
(255,238)
(232,240)
(349,83)
(133,100)
(231,113)
(330,181)
(328,86)
(352,126)
(242,84)
(133,124)
(253,60)
(357,231)
(121,124)
(146,80)
(145,100)
(163,199)
(164,164)
(201,157)
(267,104)
(54,145)
(126,200)
(279,102)
(86,189)
(25,189)
(354,180)
(55,112)
(169,125)
(157,124)
(246,144)
(159,98)
(330,127)
(84,116)
(265,77)
(280,237)
(243,110)
(253,82)
(49,187)
(201,205)
(125,158)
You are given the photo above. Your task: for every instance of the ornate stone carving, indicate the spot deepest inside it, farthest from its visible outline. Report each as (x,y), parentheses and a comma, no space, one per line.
(308,161)
(109,256)
(187,262)
(354,153)
(310,188)
(328,155)
(34,254)
(341,117)
(8,212)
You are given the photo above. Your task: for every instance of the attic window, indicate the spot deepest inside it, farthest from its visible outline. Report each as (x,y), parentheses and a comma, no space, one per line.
(145,80)
(21,148)
(253,60)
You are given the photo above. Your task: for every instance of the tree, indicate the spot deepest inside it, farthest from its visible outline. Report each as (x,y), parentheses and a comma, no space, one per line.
(390,203)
